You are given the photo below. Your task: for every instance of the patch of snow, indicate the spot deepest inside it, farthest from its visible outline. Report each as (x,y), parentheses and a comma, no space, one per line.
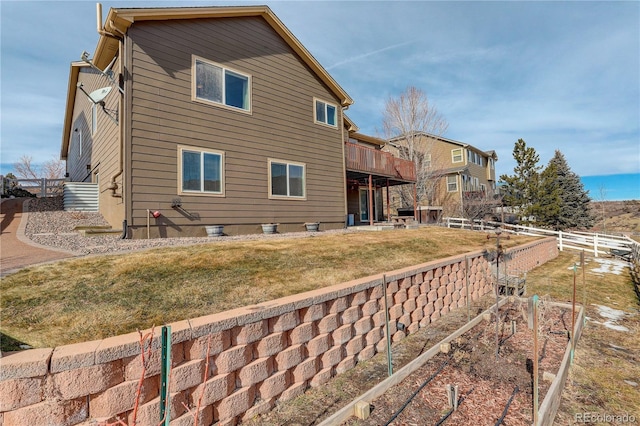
(613,326)
(609,266)
(612,316)
(610,313)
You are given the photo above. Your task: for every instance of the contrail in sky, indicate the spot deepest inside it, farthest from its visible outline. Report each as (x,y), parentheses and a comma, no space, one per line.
(364,55)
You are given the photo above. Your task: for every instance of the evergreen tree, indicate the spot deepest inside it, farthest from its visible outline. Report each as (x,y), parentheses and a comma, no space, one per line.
(547,200)
(574,200)
(520,189)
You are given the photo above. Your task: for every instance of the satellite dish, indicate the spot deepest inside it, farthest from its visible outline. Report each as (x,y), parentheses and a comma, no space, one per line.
(98,96)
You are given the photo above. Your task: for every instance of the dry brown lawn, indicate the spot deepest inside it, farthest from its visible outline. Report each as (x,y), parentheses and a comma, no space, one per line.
(96,297)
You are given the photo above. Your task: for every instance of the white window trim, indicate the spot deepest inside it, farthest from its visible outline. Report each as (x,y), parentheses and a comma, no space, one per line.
(456,182)
(453,156)
(224,68)
(315,115)
(182,148)
(304,180)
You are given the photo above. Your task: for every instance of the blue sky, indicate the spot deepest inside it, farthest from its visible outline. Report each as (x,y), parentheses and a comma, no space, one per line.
(560,75)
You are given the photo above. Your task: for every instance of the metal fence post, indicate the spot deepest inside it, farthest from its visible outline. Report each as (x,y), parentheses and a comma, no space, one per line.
(164,375)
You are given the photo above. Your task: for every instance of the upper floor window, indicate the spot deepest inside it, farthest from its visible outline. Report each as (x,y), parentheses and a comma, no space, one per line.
(427,160)
(286,179)
(214,83)
(491,163)
(201,171)
(456,155)
(474,157)
(325,113)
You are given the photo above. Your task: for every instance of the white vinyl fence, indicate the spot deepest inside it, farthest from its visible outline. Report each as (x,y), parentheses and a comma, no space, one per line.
(40,187)
(589,242)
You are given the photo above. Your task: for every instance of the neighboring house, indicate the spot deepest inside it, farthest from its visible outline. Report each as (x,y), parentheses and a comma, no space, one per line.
(461,178)
(215,116)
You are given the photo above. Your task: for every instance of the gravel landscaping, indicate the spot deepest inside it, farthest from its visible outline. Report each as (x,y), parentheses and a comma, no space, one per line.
(48,224)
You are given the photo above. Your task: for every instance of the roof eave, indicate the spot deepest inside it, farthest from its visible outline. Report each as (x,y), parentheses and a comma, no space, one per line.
(118,22)
(369,139)
(74,72)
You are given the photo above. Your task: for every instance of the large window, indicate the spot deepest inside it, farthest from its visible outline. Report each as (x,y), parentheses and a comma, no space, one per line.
(201,171)
(452,183)
(456,155)
(325,113)
(286,179)
(220,85)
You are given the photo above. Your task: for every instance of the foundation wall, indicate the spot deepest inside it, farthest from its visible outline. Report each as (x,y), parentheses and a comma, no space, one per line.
(253,356)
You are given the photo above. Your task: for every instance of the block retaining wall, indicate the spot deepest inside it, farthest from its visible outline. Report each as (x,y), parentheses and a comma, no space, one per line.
(259,354)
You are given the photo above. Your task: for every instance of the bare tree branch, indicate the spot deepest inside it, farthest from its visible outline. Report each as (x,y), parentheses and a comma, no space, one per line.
(413,123)
(26,169)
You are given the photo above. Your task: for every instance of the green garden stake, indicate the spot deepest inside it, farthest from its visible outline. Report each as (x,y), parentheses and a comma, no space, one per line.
(164,375)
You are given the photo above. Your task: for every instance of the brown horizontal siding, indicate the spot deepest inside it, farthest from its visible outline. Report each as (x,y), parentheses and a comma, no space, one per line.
(280,125)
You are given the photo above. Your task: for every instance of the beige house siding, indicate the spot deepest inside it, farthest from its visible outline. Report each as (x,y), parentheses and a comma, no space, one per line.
(100,159)
(441,151)
(280,126)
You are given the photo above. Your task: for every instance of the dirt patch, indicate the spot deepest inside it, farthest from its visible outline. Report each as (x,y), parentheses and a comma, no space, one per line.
(486,385)
(316,404)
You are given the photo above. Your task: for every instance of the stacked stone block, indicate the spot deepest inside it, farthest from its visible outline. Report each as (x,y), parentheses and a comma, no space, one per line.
(235,365)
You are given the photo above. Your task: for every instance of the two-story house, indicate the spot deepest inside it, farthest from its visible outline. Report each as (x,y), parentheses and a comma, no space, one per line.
(195,116)
(459,178)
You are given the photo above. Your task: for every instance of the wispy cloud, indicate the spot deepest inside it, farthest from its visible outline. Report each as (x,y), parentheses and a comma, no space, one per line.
(372,53)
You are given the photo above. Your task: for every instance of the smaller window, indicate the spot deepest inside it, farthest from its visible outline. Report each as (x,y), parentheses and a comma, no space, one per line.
(94,119)
(200,171)
(452,183)
(456,155)
(286,179)
(491,163)
(325,113)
